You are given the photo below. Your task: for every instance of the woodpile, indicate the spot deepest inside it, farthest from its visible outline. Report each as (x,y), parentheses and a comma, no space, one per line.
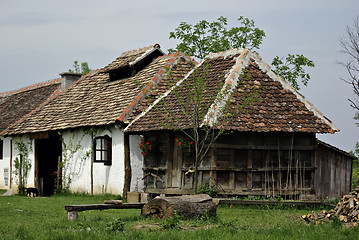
(187,206)
(347,211)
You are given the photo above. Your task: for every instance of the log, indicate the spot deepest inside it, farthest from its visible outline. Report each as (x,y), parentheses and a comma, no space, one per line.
(188,206)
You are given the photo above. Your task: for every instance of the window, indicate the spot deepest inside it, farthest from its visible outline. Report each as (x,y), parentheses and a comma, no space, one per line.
(103,150)
(1,149)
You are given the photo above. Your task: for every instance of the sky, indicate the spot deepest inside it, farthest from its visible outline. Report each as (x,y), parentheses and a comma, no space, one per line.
(40,39)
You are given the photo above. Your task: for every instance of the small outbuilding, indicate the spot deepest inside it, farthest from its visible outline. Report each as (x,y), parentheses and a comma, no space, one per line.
(269,145)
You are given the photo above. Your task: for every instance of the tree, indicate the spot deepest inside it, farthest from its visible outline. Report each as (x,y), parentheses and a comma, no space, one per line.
(84,68)
(210,37)
(350,47)
(204,38)
(291,69)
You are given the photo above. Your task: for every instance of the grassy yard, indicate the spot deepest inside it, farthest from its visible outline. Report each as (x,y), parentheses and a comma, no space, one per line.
(46,218)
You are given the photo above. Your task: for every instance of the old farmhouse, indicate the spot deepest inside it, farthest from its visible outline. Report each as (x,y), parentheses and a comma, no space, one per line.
(269,145)
(76,140)
(90,133)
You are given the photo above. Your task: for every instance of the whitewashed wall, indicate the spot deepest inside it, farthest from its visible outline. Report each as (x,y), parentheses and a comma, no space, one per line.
(106,179)
(5,164)
(137,184)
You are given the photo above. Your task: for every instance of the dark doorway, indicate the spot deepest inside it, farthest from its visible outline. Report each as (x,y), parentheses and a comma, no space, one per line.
(47,152)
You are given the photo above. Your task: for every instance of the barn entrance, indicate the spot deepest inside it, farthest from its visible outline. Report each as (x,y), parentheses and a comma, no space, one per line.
(48,149)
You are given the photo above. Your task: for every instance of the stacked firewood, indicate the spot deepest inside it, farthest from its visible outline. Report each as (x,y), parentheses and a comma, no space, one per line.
(347,211)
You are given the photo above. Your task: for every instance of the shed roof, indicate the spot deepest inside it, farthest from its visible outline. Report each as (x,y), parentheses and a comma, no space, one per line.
(97,100)
(230,78)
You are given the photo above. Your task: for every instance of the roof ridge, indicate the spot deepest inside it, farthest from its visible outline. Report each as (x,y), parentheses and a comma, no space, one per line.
(275,77)
(139,49)
(31,87)
(230,83)
(155,80)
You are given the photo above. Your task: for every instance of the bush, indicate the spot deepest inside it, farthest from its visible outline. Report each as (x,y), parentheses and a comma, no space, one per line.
(116,225)
(209,189)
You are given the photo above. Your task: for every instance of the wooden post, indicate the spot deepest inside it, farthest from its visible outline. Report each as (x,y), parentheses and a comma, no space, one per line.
(92,158)
(249,166)
(10,176)
(170,158)
(127,162)
(72,215)
(21,187)
(58,175)
(213,172)
(232,174)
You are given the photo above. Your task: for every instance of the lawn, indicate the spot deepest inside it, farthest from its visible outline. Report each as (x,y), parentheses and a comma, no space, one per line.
(46,218)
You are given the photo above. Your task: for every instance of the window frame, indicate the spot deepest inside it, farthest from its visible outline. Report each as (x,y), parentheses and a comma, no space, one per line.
(106,147)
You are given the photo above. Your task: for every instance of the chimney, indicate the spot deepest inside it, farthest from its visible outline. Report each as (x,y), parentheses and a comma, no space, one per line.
(68,79)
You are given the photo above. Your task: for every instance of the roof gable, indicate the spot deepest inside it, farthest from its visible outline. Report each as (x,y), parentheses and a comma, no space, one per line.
(281,107)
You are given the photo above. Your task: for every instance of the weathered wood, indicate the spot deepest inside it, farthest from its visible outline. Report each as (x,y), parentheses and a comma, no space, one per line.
(170,158)
(258,202)
(80,208)
(72,210)
(187,206)
(213,174)
(128,170)
(113,202)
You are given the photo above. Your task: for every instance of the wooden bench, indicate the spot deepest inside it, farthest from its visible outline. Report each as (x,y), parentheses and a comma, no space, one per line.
(72,210)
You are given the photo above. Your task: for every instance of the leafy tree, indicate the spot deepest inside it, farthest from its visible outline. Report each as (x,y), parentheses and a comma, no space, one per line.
(210,37)
(350,47)
(205,37)
(84,68)
(291,69)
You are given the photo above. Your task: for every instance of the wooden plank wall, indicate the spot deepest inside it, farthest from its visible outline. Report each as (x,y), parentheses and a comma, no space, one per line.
(333,173)
(238,164)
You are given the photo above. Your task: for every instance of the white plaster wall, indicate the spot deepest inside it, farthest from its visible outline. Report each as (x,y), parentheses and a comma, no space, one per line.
(15,153)
(77,167)
(137,184)
(110,179)
(5,163)
(106,179)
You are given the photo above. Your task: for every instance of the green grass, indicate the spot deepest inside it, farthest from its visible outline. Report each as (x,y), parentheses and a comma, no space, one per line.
(46,218)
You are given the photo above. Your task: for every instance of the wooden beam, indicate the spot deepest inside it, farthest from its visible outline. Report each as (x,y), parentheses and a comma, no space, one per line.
(170,152)
(104,206)
(127,162)
(39,135)
(256,147)
(249,166)
(213,173)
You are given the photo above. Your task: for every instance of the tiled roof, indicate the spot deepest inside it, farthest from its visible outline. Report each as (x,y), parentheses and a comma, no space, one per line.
(15,104)
(277,105)
(132,57)
(95,100)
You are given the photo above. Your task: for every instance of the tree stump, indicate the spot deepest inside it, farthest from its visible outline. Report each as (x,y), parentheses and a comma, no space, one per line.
(188,206)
